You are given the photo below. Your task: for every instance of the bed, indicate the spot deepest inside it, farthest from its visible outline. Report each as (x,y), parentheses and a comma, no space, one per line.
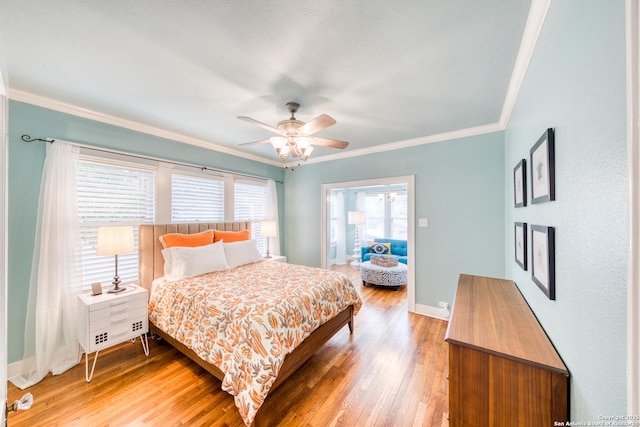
(254,354)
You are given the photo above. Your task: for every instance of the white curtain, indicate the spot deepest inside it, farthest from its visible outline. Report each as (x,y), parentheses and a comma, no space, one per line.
(51,343)
(361,206)
(341,224)
(271,214)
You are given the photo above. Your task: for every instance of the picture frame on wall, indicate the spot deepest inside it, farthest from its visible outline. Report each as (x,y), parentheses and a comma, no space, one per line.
(543,269)
(520,244)
(520,184)
(542,167)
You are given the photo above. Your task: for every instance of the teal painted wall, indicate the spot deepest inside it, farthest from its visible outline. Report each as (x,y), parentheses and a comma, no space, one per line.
(459,187)
(576,84)
(25,171)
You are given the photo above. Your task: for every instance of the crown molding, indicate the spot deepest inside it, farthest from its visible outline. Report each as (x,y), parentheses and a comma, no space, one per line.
(446,136)
(533,27)
(62,107)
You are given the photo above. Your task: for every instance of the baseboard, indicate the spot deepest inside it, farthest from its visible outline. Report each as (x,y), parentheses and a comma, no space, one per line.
(15,369)
(435,312)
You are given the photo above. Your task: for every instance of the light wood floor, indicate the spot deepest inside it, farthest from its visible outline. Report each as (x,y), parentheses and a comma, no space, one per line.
(390,372)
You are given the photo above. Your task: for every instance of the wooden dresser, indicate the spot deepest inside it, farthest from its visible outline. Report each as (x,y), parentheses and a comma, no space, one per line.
(503,370)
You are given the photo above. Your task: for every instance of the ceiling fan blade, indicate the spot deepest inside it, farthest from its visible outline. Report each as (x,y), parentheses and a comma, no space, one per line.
(256,142)
(321,122)
(262,125)
(333,143)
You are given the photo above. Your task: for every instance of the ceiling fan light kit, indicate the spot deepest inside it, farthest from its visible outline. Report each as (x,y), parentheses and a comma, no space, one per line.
(296,138)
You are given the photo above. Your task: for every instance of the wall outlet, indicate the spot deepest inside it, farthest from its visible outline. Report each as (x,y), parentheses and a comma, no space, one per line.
(443,304)
(423,222)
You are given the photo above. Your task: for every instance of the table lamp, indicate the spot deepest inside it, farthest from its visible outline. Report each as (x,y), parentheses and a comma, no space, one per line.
(115,240)
(268,229)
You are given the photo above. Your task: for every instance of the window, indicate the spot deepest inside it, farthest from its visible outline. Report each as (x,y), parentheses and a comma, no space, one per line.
(111,193)
(196,198)
(249,202)
(333,218)
(398,208)
(386,214)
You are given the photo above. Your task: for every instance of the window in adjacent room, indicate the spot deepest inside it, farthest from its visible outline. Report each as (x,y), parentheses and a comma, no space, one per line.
(386,214)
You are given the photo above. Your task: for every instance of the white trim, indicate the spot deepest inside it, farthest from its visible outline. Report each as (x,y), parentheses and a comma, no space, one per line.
(51,104)
(409,180)
(532,29)
(447,136)
(435,312)
(4,150)
(633,147)
(16,369)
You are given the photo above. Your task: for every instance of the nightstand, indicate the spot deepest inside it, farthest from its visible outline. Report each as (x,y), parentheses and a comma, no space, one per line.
(109,319)
(277,258)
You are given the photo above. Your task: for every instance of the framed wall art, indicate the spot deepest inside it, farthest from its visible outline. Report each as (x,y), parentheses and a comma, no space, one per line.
(520,184)
(543,269)
(520,246)
(542,164)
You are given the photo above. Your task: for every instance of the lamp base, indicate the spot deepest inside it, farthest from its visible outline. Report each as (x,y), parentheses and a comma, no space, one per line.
(116,284)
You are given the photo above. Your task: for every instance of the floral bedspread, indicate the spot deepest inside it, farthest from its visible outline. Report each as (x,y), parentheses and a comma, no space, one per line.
(246,320)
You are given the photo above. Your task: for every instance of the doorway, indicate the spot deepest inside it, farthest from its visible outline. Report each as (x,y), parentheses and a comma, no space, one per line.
(384,188)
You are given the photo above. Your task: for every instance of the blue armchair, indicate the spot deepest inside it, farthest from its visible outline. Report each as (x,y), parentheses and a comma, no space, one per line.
(398,250)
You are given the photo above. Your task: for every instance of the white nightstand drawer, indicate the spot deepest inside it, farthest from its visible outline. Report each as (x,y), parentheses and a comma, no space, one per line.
(117,333)
(115,318)
(106,300)
(114,310)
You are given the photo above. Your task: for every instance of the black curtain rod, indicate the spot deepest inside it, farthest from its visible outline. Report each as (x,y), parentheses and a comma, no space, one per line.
(27,138)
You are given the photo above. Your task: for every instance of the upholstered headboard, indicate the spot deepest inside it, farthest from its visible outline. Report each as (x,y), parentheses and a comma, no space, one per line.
(150,261)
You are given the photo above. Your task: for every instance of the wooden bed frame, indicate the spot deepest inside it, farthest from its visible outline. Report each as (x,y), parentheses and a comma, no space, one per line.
(151,266)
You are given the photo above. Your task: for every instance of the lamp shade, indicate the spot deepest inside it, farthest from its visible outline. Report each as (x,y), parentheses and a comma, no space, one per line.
(356,217)
(115,240)
(268,229)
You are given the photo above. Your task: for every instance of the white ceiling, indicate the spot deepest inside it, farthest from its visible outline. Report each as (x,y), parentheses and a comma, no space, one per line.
(386,71)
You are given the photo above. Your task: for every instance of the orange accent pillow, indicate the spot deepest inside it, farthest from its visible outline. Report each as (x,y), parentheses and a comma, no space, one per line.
(231,236)
(187,240)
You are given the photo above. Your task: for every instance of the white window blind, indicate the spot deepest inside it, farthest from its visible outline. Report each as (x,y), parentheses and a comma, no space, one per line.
(196,198)
(249,201)
(111,194)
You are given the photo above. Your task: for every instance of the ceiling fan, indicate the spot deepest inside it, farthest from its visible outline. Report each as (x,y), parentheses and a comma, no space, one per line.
(296,137)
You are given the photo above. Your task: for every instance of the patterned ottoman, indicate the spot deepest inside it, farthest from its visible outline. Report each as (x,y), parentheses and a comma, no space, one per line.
(384,276)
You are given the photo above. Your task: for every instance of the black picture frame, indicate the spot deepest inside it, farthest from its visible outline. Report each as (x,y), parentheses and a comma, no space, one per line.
(520,184)
(542,167)
(520,244)
(543,269)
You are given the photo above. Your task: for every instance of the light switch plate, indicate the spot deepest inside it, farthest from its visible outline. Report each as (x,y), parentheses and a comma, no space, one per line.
(423,222)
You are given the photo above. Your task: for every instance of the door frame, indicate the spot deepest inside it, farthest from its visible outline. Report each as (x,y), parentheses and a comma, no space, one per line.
(3,247)
(633,154)
(409,181)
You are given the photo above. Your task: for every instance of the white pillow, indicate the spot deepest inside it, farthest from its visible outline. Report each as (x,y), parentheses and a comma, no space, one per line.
(241,253)
(181,262)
